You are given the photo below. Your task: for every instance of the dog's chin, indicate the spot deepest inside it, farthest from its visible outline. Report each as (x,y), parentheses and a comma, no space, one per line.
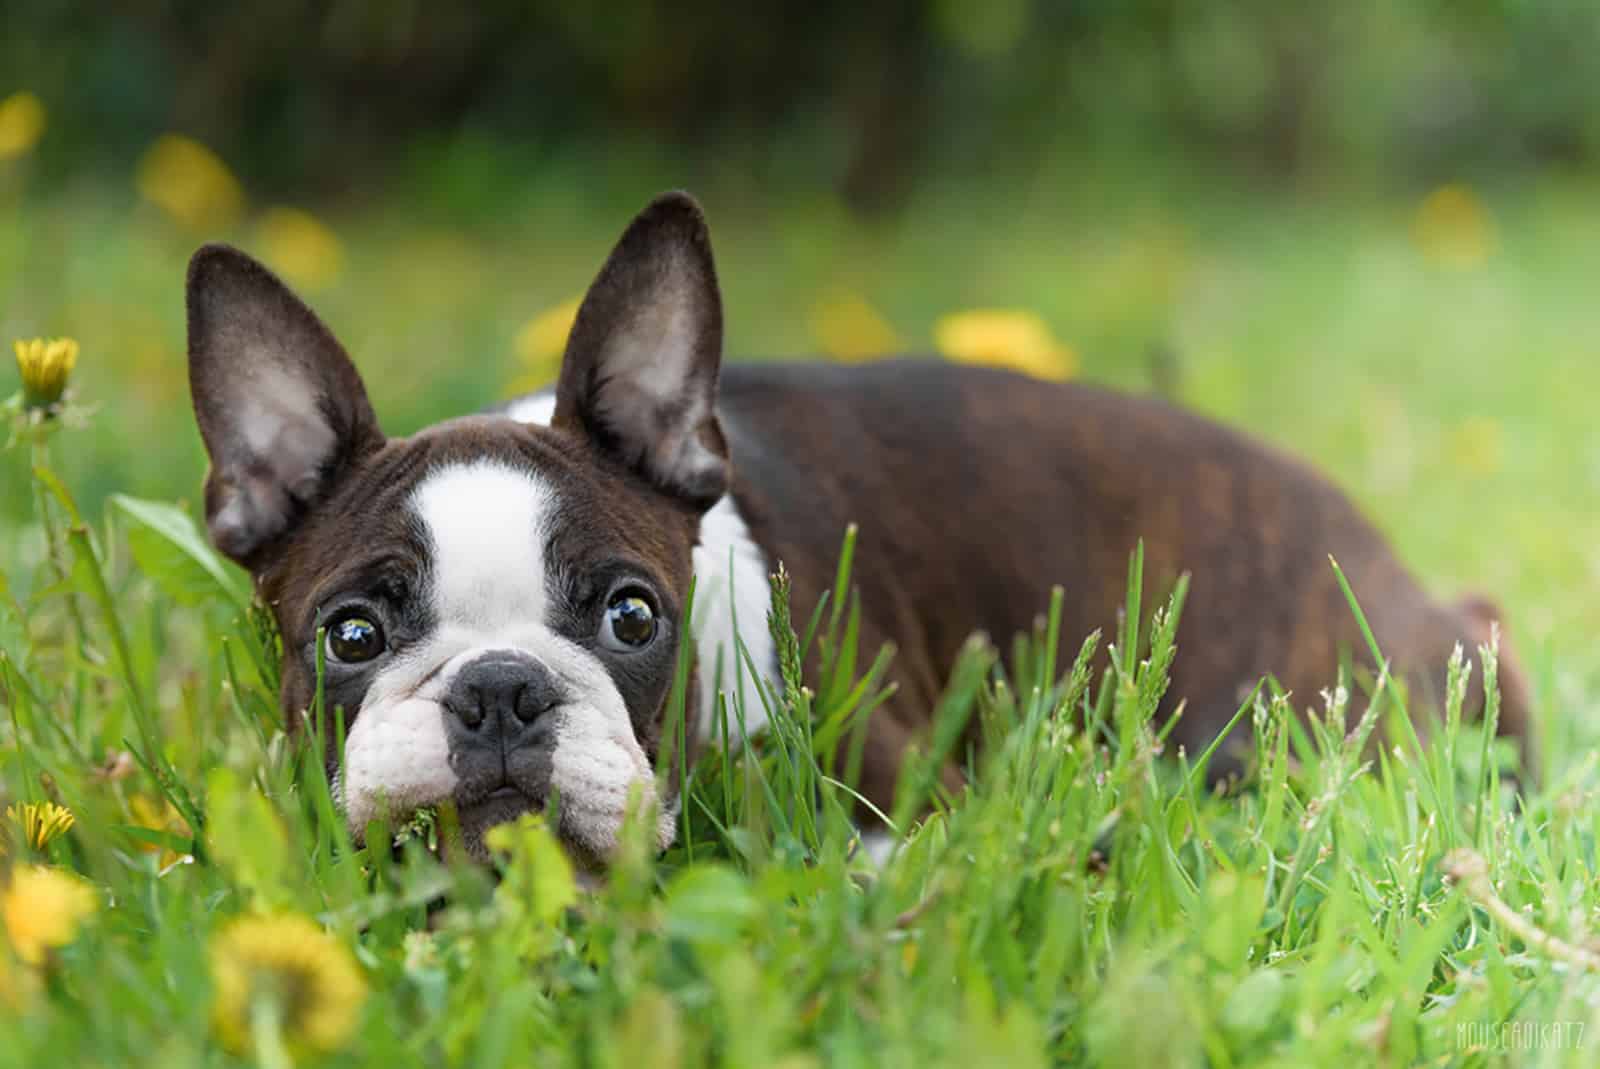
(501,806)
(587,832)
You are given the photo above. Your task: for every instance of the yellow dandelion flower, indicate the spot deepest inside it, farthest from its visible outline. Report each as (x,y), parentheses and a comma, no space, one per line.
(301,246)
(540,345)
(43,908)
(1001,338)
(190,183)
(159,815)
(41,822)
(306,981)
(45,367)
(22,123)
(851,330)
(1453,228)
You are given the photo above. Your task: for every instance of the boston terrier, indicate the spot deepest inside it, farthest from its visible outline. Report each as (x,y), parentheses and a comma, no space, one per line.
(501,596)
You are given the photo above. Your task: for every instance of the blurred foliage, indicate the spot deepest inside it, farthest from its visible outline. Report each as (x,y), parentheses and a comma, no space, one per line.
(866,100)
(1364,231)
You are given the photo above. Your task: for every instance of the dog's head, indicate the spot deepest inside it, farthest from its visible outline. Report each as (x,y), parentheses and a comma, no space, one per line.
(499,604)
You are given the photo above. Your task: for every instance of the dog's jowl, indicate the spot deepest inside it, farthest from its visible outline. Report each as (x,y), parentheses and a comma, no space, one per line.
(500,596)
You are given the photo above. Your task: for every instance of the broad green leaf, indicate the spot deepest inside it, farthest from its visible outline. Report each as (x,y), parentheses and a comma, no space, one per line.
(170,549)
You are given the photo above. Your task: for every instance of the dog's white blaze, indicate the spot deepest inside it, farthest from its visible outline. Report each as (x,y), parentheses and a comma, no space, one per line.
(731,599)
(486,525)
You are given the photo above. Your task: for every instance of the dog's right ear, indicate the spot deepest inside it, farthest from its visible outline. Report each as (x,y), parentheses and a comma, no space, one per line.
(281,409)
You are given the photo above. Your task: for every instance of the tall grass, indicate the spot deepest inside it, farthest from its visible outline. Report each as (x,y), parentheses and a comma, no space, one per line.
(1085,899)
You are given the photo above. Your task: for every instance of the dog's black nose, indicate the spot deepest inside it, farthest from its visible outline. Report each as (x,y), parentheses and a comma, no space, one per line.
(502,693)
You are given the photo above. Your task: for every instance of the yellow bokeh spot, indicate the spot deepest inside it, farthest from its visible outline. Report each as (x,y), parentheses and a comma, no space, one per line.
(305,976)
(22,123)
(1453,228)
(300,247)
(190,183)
(540,344)
(43,908)
(849,329)
(1478,445)
(1013,339)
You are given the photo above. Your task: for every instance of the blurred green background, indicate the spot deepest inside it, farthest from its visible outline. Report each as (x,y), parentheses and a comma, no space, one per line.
(1369,231)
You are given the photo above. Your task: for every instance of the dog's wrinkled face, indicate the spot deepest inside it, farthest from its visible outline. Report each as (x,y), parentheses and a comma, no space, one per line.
(501,626)
(498,604)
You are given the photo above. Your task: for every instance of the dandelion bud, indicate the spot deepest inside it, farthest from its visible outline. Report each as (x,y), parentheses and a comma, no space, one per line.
(45,367)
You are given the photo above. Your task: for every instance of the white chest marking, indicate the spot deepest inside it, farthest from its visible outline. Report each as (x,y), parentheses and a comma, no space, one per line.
(538,409)
(731,599)
(730,602)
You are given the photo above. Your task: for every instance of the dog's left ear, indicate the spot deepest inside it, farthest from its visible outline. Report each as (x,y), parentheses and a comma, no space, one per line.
(640,372)
(281,409)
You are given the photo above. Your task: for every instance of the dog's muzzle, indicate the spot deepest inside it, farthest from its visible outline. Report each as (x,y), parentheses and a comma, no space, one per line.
(501,726)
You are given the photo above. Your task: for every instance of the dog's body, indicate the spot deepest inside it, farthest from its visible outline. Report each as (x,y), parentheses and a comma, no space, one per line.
(501,593)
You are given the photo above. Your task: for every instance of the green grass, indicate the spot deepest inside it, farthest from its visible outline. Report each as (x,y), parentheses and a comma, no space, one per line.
(1086,900)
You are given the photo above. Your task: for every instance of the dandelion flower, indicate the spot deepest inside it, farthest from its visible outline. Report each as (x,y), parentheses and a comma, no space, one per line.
(306,980)
(45,367)
(22,123)
(41,822)
(851,330)
(541,342)
(190,183)
(43,908)
(999,338)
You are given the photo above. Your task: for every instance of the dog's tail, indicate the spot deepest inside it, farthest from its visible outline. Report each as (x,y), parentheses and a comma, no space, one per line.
(1482,617)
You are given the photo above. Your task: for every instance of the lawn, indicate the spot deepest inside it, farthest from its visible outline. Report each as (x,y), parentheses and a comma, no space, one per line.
(1086,901)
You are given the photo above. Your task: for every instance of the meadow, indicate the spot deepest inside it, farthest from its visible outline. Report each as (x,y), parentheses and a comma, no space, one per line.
(1086,901)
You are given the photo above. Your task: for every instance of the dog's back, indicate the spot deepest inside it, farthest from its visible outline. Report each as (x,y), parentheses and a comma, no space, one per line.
(978,490)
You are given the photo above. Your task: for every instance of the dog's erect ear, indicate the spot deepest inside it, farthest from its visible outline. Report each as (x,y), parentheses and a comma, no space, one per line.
(640,373)
(280,407)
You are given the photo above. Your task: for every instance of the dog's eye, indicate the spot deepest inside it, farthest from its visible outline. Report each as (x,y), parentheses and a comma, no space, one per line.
(355,638)
(630,622)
